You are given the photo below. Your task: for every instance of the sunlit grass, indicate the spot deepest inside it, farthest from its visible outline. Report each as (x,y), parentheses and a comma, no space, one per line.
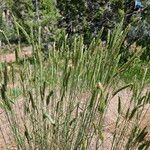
(65,96)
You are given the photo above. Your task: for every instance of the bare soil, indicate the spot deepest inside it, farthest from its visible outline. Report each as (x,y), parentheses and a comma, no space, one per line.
(10,58)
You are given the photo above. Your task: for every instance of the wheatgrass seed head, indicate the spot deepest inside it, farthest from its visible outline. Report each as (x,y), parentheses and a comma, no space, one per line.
(99,86)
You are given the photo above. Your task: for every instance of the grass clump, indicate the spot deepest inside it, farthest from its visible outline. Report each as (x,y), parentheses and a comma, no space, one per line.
(63,99)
